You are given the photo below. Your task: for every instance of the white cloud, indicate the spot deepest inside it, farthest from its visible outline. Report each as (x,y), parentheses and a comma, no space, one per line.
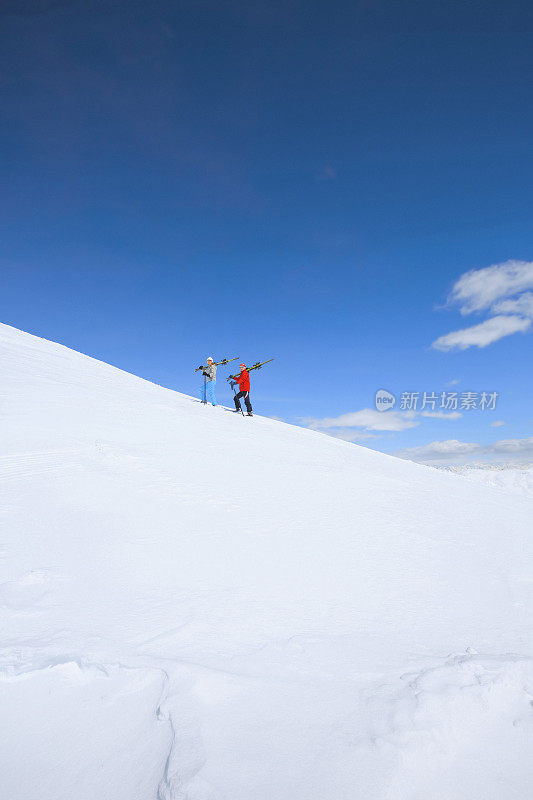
(500,288)
(521,305)
(356,425)
(454,450)
(479,289)
(483,334)
(368,418)
(438,450)
(497,423)
(442,414)
(512,446)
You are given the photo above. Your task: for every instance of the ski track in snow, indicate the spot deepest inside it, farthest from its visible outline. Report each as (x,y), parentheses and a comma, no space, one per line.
(316,621)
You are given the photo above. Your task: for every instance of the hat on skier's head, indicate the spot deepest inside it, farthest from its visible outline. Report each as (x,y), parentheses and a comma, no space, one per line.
(242,365)
(209,359)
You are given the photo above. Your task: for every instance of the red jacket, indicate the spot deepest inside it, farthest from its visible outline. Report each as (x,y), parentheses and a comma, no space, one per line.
(243,380)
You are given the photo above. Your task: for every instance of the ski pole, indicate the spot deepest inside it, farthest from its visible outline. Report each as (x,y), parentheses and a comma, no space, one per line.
(235,393)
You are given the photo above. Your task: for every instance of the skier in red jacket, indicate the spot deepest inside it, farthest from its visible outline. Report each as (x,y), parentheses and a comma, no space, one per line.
(243,379)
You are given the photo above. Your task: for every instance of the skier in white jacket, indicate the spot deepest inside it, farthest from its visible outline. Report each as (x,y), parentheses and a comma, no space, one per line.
(208,386)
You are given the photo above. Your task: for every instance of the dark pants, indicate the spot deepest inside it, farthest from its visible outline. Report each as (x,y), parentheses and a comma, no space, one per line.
(246,396)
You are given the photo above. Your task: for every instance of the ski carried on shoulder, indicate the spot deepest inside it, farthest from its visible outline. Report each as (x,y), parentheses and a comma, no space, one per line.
(218,363)
(259,364)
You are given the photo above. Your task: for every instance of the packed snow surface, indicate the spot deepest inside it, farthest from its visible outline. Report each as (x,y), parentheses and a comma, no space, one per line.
(201,606)
(517,478)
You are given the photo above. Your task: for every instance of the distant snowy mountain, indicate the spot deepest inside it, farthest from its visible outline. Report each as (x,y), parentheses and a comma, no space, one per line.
(516,478)
(201,606)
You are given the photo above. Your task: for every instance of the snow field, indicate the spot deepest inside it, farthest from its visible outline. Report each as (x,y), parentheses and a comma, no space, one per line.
(200,607)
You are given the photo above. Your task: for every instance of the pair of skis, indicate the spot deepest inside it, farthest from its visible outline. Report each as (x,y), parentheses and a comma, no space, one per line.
(218,363)
(257,365)
(260,364)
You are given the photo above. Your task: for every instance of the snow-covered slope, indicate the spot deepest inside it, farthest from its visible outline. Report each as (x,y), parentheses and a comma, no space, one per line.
(199,606)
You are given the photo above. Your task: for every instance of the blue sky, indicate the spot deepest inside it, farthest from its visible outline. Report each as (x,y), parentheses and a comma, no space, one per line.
(292,179)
